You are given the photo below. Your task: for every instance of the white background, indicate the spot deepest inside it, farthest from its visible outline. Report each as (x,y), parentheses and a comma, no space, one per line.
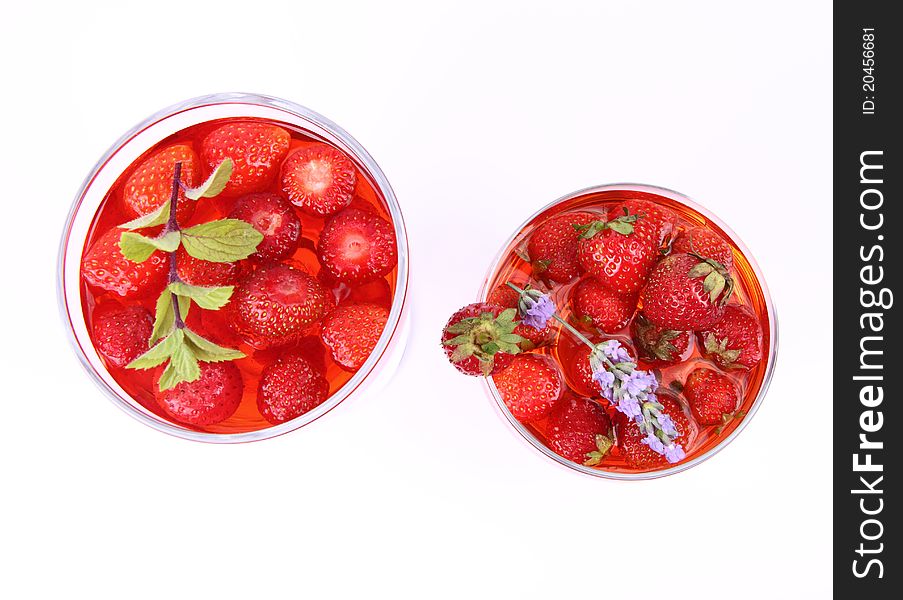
(479,113)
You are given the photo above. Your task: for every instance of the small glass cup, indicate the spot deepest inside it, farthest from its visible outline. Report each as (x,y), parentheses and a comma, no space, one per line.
(384,359)
(624,191)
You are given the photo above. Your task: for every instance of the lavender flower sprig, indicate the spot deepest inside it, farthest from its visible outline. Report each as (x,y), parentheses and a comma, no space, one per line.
(630,390)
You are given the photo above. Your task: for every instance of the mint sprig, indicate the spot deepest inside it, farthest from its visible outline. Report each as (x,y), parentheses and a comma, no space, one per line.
(226,240)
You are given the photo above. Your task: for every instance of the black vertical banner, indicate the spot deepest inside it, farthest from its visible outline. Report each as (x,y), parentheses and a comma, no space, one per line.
(868,235)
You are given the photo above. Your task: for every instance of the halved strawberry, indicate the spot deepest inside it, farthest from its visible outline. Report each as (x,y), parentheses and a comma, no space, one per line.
(579,430)
(204,273)
(596,305)
(686,292)
(351,333)
(734,342)
(630,438)
(275,218)
(706,243)
(712,397)
(121,333)
(655,345)
(552,247)
(104,266)
(290,387)
(319,179)
(211,399)
(530,386)
(256,150)
(477,340)
(275,304)
(357,246)
(506,297)
(150,184)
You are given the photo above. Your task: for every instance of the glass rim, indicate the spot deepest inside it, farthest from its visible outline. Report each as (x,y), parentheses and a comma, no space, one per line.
(122,399)
(772,323)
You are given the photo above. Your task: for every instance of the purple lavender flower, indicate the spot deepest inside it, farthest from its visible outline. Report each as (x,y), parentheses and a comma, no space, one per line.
(674,453)
(536,309)
(638,382)
(656,444)
(667,424)
(614,351)
(630,406)
(605,379)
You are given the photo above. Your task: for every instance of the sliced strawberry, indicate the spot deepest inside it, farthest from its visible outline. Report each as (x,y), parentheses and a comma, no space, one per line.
(552,247)
(658,346)
(705,243)
(121,333)
(256,150)
(351,333)
(204,273)
(150,184)
(630,438)
(574,428)
(530,386)
(275,218)
(357,246)
(713,397)
(104,266)
(506,297)
(211,399)
(595,305)
(319,179)
(481,350)
(290,387)
(734,342)
(275,304)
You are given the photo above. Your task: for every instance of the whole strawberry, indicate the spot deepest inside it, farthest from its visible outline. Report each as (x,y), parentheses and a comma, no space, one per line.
(530,386)
(574,358)
(655,345)
(150,184)
(579,430)
(552,247)
(377,292)
(104,266)
(208,400)
(357,246)
(256,149)
(351,333)
(713,397)
(319,179)
(290,387)
(686,292)
(275,218)
(596,305)
(204,273)
(506,297)
(705,242)
(275,304)
(621,251)
(479,339)
(120,333)
(639,455)
(734,342)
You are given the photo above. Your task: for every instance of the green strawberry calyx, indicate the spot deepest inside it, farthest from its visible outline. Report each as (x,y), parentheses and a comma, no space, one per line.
(604,443)
(659,347)
(483,337)
(622,225)
(719,348)
(716,281)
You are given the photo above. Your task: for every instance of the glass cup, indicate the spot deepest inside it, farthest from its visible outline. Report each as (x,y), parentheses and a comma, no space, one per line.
(384,359)
(751,272)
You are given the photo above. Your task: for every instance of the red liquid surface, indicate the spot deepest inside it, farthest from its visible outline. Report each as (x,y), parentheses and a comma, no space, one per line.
(113,212)
(747,291)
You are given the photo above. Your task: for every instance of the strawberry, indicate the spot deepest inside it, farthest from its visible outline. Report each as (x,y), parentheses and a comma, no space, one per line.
(150,184)
(686,292)
(351,333)
(275,218)
(621,251)
(376,292)
(630,438)
(705,242)
(552,247)
(506,297)
(319,179)
(734,342)
(290,387)
(479,338)
(256,150)
(573,356)
(656,345)
(357,246)
(275,304)
(601,307)
(104,266)
(120,333)
(579,430)
(712,396)
(208,400)
(204,273)
(530,386)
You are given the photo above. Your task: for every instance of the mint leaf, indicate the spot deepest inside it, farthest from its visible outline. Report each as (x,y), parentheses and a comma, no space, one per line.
(225,240)
(207,351)
(165,318)
(214,184)
(151,219)
(210,298)
(159,353)
(183,364)
(138,248)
